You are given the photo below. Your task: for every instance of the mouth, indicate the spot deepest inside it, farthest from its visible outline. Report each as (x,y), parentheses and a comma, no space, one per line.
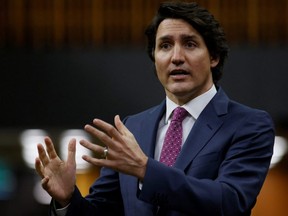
(178,73)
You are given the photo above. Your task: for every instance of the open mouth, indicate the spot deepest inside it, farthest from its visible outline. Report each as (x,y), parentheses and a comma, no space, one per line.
(178,72)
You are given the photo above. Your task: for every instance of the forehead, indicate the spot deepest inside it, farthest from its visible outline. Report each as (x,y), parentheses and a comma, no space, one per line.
(173,27)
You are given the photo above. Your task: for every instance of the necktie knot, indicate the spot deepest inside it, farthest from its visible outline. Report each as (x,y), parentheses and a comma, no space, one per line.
(179,114)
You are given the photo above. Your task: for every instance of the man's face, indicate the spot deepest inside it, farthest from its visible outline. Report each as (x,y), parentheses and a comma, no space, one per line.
(182,60)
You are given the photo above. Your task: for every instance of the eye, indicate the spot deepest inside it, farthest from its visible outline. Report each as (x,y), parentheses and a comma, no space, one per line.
(165,46)
(190,44)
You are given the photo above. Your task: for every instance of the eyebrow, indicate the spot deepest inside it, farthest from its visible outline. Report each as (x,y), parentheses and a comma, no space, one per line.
(183,36)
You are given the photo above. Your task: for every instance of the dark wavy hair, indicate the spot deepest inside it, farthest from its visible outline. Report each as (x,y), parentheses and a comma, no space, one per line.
(200,19)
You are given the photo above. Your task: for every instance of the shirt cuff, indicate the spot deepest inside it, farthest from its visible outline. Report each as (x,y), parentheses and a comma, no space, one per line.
(60,211)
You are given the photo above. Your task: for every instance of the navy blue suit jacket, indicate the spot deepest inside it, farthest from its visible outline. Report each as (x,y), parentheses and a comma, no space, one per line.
(219,171)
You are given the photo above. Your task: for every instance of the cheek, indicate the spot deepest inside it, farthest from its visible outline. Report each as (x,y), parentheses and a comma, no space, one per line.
(160,64)
(160,72)
(201,63)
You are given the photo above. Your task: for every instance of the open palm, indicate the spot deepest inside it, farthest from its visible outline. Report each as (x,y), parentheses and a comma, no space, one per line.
(58,177)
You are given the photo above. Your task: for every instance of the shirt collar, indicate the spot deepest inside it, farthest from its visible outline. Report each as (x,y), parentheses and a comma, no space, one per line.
(194,107)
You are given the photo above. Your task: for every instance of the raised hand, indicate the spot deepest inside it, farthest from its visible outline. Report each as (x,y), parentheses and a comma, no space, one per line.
(124,153)
(58,177)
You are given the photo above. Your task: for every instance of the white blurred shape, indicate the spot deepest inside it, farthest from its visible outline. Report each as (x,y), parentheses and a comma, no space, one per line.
(77,134)
(280,149)
(29,139)
(40,195)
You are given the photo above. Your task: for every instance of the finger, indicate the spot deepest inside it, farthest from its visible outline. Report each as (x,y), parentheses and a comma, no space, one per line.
(120,126)
(42,155)
(103,137)
(50,148)
(126,133)
(109,129)
(95,148)
(100,162)
(71,152)
(44,183)
(39,167)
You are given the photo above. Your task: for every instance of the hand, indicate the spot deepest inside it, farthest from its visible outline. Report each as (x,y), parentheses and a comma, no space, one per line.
(125,155)
(58,177)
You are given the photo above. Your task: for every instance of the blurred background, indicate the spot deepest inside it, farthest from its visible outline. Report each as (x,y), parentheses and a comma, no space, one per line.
(64,62)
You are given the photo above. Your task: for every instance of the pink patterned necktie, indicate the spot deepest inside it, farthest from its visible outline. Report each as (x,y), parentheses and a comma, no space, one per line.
(173,138)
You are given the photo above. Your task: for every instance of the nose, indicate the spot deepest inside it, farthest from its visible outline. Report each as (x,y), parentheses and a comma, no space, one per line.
(178,57)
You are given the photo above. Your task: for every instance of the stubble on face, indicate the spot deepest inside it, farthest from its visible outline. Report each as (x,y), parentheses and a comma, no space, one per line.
(182,61)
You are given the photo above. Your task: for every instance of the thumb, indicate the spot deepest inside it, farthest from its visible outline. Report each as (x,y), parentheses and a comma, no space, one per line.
(71,152)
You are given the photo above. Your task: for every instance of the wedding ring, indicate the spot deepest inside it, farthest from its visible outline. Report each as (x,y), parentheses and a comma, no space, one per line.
(105,152)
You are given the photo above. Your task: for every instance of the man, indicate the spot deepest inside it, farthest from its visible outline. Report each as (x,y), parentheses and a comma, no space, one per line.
(225,147)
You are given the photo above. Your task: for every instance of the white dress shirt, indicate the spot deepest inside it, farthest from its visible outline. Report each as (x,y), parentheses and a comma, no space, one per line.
(193,107)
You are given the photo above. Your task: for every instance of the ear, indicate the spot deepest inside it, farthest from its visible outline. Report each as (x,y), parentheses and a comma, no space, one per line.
(214,61)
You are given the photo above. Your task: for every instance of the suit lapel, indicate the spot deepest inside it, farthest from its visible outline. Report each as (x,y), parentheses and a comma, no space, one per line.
(150,128)
(209,121)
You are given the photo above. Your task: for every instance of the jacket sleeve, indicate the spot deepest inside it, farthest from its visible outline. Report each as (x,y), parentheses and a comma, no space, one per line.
(104,197)
(245,158)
